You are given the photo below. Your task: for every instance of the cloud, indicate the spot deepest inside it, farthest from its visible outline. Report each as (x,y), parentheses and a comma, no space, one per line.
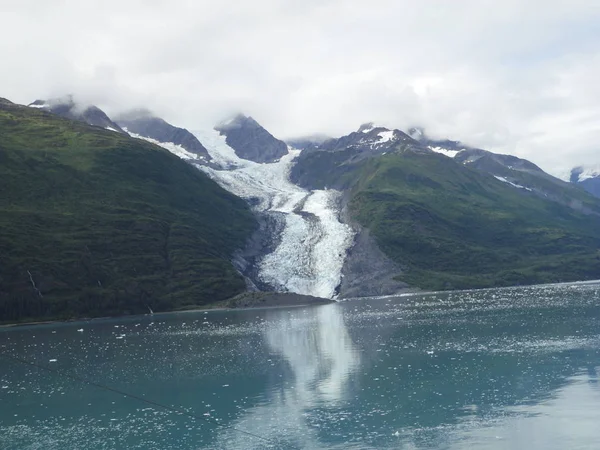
(512,76)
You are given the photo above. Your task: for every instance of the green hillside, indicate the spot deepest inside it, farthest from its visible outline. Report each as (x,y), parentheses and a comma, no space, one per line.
(453,227)
(94,223)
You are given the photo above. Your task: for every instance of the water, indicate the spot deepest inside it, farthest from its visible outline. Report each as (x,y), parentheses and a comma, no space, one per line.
(496,369)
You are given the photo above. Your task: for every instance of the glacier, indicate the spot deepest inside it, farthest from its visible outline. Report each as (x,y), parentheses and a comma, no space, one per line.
(308,254)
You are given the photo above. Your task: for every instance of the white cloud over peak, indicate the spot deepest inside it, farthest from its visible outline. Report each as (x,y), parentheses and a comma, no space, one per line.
(512,76)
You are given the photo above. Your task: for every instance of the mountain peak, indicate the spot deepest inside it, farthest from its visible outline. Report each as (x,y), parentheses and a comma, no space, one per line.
(239,120)
(250,140)
(68,108)
(366,127)
(588,177)
(582,173)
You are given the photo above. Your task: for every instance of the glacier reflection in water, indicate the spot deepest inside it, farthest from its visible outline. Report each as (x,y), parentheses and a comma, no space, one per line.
(321,357)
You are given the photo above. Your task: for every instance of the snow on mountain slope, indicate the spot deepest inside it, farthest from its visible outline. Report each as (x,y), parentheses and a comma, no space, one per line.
(312,246)
(504,180)
(588,172)
(173,148)
(444,151)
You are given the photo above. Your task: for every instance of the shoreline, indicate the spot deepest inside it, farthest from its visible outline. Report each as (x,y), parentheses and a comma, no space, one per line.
(268,300)
(245,300)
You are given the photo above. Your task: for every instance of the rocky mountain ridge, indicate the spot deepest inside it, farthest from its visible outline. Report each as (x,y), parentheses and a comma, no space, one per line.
(379,211)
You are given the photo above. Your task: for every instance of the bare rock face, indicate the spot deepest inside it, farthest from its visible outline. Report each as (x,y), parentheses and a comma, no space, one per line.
(251,141)
(368,271)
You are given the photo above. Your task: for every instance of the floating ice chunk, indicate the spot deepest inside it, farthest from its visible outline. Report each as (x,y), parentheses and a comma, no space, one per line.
(53,360)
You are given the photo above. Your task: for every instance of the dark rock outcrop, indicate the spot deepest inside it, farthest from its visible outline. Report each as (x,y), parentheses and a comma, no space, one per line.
(368,272)
(251,141)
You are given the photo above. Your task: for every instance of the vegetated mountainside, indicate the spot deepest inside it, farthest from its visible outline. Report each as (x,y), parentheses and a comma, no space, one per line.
(518,172)
(96,223)
(448,225)
(251,141)
(67,108)
(588,178)
(145,124)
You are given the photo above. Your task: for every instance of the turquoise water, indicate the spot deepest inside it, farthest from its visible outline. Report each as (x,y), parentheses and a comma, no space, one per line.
(496,369)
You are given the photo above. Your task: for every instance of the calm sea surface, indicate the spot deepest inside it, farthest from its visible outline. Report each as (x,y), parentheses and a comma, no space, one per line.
(511,368)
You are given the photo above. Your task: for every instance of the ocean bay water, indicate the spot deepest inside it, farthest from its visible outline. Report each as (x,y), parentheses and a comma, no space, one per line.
(493,369)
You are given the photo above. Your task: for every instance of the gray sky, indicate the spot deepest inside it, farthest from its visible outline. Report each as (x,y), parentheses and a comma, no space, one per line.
(514,76)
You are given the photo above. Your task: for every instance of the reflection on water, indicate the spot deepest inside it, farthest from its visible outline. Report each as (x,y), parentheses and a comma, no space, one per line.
(321,356)
(496,369)
(320,353)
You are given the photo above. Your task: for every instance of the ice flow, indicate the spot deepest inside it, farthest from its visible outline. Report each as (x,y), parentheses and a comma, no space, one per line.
(311,249)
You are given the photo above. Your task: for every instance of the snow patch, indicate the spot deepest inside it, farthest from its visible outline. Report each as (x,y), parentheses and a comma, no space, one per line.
(444,151)
(385,136)
(112,129)
(504,180)
(176,149)
(45,105)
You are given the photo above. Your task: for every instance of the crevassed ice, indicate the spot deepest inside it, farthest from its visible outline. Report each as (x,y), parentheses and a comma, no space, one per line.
(309,258)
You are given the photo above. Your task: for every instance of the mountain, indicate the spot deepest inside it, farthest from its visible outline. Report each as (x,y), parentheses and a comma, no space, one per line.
(517,172)
(142,123)
(314,165)
(250,140)
(588,178)
(66,107)
(448,224)
(308,142)
(96,223)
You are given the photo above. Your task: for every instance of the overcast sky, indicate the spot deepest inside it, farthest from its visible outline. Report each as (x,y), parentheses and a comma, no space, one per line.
(514,76)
